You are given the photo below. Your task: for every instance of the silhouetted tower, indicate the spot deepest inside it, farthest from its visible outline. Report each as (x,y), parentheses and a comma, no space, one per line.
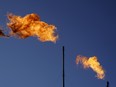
(107,84)
(63,63)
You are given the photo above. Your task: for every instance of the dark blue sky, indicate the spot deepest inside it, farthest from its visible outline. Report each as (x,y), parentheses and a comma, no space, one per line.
(86,27)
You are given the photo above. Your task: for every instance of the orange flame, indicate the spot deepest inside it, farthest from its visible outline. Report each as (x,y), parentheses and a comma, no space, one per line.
(31,25)
(93,63)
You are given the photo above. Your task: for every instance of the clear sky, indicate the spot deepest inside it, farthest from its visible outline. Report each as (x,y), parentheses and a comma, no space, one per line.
(85,27)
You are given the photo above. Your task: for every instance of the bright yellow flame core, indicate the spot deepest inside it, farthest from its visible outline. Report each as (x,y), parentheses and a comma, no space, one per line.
(93,63)
(30,25)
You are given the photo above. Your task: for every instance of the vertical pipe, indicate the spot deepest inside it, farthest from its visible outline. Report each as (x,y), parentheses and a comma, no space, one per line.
(63,67)
(107,84)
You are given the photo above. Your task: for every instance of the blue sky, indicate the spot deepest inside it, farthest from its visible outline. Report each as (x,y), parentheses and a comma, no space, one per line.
(85,27)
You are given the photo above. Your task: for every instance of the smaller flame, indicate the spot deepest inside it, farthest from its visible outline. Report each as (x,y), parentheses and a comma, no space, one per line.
(31,25)
(92,63)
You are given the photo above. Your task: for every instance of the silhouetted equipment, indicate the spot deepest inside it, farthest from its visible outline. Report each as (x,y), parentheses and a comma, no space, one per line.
(107,84)
(1,33)
(63,67)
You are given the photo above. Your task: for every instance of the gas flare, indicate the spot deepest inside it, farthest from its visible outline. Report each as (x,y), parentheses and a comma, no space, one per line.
(31,25)
(92,63)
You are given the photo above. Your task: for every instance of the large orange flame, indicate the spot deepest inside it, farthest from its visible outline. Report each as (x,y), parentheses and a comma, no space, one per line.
(31,25)
(93,63)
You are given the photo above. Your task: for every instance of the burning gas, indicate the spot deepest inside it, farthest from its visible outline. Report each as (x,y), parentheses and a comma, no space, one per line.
(92,63)
(31,25)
